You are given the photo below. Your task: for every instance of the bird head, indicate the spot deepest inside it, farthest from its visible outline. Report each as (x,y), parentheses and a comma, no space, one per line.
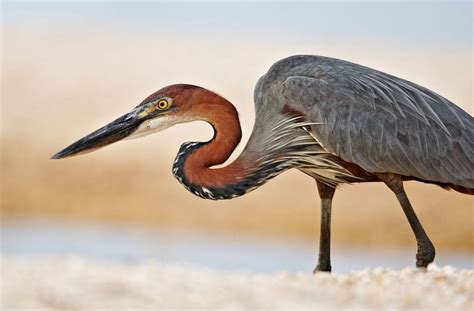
(169,106)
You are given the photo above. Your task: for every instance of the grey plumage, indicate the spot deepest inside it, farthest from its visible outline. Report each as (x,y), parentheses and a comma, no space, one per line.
(379,122)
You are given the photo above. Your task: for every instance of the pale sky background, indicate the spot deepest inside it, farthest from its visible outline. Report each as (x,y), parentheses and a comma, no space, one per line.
(427,23)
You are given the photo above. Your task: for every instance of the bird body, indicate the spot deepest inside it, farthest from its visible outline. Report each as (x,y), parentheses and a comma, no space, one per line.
(373,120)
(336,121)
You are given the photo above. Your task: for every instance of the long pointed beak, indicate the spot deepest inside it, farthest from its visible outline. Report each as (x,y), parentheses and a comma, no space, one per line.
(112,132)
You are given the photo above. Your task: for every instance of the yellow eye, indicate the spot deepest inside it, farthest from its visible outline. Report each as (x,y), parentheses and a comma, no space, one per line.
(163,104)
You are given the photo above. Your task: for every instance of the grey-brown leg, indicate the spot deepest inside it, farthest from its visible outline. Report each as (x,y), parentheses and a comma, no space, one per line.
(426,251)
(326,194)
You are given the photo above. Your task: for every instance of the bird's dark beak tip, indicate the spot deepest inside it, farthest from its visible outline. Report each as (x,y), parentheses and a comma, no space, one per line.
(57,156)
(62,154)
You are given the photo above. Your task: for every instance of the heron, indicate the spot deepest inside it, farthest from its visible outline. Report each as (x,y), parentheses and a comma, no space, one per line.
(336,121)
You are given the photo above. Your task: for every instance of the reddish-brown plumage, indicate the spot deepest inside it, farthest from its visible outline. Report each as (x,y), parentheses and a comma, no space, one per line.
(365,176)
(175,91)
(196,103)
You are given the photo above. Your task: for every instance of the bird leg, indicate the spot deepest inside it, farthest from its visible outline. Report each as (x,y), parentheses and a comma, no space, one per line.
(426,251)
(324,259)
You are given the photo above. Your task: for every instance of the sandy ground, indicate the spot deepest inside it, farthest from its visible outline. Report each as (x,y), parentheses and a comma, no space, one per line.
(73,283)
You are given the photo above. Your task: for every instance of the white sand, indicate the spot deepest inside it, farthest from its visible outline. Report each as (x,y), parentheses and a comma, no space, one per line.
(73,283)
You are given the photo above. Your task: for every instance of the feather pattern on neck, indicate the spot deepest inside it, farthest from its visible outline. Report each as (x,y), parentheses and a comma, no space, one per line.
(287,145)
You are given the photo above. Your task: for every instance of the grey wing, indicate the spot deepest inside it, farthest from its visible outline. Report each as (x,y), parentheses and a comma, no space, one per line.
(383,123)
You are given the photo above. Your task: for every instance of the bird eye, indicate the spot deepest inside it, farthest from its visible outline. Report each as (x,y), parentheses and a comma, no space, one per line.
(163,104)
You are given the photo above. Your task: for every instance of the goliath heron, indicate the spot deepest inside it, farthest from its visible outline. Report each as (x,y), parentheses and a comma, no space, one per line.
(336,121)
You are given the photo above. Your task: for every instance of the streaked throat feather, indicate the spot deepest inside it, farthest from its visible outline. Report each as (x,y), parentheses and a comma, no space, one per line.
(289,144)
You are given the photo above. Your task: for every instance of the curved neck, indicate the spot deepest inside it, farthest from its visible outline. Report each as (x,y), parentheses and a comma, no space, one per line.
(227,135)
(194,162)
(289,146)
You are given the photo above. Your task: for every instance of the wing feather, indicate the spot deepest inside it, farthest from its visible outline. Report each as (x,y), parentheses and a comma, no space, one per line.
(378,121)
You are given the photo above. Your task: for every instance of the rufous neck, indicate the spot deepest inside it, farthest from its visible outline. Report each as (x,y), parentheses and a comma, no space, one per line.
(197,168)
(227,133)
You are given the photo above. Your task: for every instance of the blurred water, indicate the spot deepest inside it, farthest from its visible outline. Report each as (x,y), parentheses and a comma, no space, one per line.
(224,252)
